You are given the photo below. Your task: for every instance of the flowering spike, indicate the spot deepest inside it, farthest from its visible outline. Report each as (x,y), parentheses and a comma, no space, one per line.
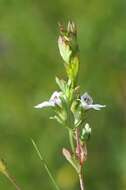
(68,106)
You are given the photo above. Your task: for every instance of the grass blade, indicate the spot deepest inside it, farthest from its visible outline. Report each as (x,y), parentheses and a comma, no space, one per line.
(45,165)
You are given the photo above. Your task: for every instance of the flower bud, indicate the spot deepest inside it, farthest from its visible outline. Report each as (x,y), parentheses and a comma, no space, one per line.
(86,132)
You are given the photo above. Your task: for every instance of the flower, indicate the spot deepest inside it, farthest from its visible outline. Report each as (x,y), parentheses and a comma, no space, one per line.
(87,102)
(53,101)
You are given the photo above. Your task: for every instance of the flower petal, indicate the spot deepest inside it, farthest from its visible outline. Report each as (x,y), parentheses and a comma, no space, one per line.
(45,104)
(86,98)
(55,98)
(55,94)
(96,106)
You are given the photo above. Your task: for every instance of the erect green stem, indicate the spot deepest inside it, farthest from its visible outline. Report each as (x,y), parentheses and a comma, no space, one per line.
(69,123)
(71,140)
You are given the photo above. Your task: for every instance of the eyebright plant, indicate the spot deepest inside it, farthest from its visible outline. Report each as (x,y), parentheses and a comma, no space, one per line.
(68,105)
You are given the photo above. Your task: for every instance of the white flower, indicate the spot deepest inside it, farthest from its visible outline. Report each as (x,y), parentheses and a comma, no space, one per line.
(87,102)
(53,101)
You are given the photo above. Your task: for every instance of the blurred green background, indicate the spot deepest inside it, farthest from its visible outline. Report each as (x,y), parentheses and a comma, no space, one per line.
(29,62)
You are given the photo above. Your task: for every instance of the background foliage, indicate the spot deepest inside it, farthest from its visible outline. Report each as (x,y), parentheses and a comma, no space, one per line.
(29,61)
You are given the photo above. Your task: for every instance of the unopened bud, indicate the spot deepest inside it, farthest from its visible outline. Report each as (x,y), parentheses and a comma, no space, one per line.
(86,132)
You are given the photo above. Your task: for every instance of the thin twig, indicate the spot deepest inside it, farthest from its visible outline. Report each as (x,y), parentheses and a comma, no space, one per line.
(12,180)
